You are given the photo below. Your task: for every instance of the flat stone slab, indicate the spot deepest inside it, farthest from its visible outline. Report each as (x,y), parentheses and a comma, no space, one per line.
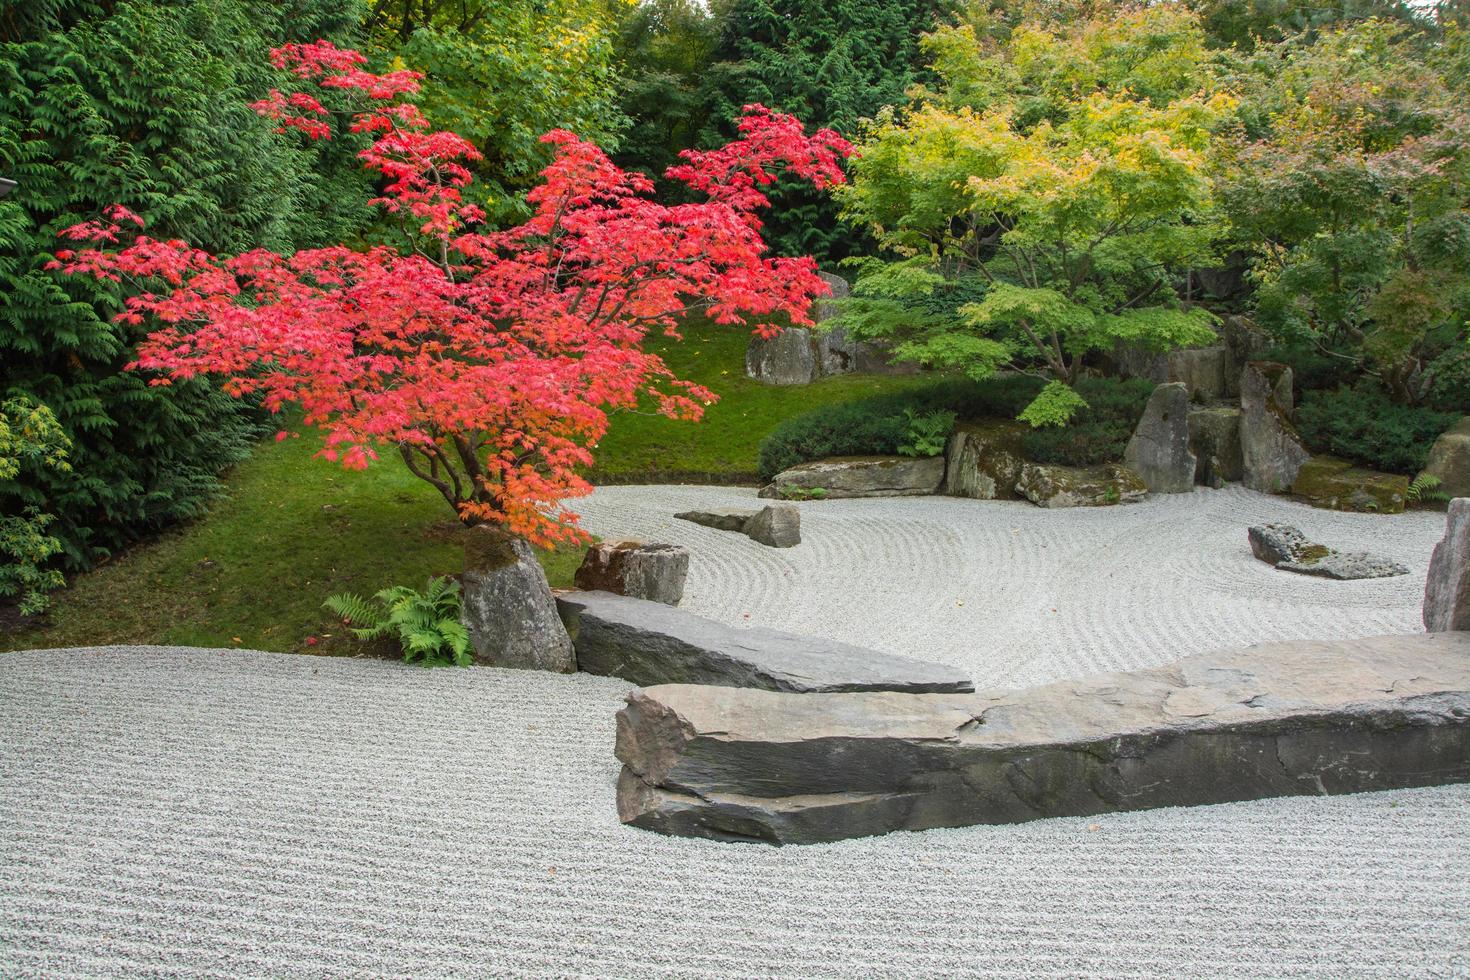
(651,643)
(1288,549)
(858,476)
(719,518)
(1316,717)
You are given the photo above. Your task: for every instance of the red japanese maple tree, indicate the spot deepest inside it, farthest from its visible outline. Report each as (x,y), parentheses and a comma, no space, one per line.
(487,359)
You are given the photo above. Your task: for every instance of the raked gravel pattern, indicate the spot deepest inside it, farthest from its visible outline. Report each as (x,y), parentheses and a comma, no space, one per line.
(172,812)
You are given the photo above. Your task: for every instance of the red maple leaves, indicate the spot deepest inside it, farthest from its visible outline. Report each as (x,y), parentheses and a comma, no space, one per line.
(487,359)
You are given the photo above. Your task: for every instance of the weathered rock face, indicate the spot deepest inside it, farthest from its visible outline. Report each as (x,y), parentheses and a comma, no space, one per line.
(1159,450)
(859,476)
(1214,438)
(635,568)
(1288,549)
(1271,450)
(1282,719)
(1208,373)
(789,358)
(650,643)
(836,352)
(984,459)
(1336,484)
(1080,486)
(776,526)
(508,608)
(1447,589)
(1449,460)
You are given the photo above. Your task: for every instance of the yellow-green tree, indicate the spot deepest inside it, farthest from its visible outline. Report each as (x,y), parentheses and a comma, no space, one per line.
(1040,204)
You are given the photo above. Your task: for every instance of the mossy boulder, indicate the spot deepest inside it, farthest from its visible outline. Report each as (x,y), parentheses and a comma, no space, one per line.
(1336,484)
(858,476)
(1449,460)
(1080,486)
(984,460)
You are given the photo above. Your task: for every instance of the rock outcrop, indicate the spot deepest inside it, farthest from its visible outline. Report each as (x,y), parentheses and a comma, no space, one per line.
(858,476)
(788,358)
(1214,438)
(1288,549)
(1159,449)
(651,643)
(983,460)
(656,572)
(1449,460)
(1271,450)
(508,608)
(1447,589)
(1336,484)
(1282,719)
(1047,485)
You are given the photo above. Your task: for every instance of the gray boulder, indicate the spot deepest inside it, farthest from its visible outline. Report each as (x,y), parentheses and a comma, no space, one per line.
(650,643)
(1302,718)
(789,358)
(635,568)
(983,460)
(1271,451)
(1080,486)
(719,518)
(776,526)
(1449,460)
(1159,449)
(508,608)
(1447,589)
(859,476)
(836,353)
(1214,438)
(1287,548)
(1208,372)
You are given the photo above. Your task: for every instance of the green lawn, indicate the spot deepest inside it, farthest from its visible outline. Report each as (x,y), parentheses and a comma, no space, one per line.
(294,529)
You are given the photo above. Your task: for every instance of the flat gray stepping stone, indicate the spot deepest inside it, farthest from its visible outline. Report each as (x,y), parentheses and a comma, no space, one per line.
(1280,719)
(651,643)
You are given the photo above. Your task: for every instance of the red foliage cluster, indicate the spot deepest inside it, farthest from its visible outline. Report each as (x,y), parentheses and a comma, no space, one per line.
(488,359)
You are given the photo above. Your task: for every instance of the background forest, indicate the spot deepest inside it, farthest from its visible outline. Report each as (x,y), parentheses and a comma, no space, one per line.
(1034,183)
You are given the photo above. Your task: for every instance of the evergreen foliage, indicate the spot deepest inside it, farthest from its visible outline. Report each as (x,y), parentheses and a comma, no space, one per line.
(425,624)
(146,103)
(1363,425)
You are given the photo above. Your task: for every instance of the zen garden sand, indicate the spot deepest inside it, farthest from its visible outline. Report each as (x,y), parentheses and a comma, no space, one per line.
(231,813)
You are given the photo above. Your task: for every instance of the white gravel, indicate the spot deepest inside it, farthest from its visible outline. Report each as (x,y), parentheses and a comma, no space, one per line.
(231,813)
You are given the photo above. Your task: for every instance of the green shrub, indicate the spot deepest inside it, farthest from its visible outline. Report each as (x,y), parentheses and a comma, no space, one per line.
(1098,433)
(425,624)
(145,104)
(29,434)
(871,426)
(1363,425)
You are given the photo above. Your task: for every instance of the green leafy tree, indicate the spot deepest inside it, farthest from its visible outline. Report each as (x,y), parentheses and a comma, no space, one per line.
(29,436)
(144,103)
(830,64)
(1039,205)
(1352,191)
(501,73)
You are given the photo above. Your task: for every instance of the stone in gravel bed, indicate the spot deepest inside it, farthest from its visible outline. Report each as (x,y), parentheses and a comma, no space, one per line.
(776,526)
(1447,589)
(1305,717)
(719,518)
(636,568)
(1287,548)
(650,643)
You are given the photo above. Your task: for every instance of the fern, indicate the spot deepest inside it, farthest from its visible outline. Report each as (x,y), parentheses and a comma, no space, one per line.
(425,624)
(1426,490)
